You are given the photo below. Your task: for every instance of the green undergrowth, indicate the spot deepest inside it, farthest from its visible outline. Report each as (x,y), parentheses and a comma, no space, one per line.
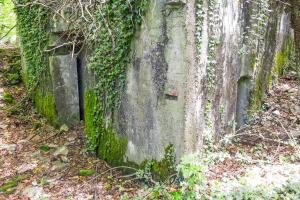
(191,180)
(163,169)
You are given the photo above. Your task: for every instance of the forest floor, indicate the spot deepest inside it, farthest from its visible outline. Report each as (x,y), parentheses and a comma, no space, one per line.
(38,161)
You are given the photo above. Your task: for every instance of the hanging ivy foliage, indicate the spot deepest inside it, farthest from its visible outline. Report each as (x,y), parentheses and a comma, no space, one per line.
(32,23)
(111,56)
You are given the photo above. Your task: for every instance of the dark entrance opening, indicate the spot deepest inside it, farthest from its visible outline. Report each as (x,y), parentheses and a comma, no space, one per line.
(243,96)
(80,87)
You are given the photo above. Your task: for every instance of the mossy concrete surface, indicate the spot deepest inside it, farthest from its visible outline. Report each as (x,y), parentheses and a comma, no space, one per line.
(112,147)
(45,104)
(89,104)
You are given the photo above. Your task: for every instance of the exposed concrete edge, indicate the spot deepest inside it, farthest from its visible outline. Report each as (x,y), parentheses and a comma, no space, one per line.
(192,136)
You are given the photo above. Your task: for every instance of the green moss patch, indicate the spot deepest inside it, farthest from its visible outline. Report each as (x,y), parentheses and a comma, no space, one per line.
(45,104)
(112,147)
(86,172)
(109,61)
(8,98)
(285,59)
(89,118)
(109,145)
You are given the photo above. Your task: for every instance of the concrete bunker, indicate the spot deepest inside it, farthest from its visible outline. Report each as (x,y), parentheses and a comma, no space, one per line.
(186,79)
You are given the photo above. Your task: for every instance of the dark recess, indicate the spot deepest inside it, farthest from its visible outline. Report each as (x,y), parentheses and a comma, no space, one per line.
(80,87)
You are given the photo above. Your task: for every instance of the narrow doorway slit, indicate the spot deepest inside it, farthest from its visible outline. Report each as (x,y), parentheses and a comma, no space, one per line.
(80,88)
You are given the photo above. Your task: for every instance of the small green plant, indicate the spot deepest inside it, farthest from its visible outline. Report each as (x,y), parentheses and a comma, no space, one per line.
(8,98)
(192,170)
(153,170)
(44,148)
(145,173)
(8,185)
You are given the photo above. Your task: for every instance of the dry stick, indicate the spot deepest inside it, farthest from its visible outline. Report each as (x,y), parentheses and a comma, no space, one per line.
(95,186)
(82,11)
(6,34)
(290,136)
(64,44)
(109,170)
(46,139)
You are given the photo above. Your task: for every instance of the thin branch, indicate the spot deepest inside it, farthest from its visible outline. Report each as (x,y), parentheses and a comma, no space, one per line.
(59,46)
(7,33)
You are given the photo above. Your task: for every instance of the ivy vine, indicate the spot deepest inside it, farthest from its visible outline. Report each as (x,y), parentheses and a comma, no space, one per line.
(32,25)
(111,56)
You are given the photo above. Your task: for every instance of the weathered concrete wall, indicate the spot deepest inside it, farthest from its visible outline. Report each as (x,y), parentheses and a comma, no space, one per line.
(194,67)
(152,111)
(63,70)
(218,34)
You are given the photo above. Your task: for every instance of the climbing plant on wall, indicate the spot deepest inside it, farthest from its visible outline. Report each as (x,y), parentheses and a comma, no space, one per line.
(118,21)
(32,23)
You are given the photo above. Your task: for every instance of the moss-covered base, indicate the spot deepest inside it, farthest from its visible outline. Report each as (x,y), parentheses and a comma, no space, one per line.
(108,145)
(284,62)
(45,104)
(112,147)
(161,170)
